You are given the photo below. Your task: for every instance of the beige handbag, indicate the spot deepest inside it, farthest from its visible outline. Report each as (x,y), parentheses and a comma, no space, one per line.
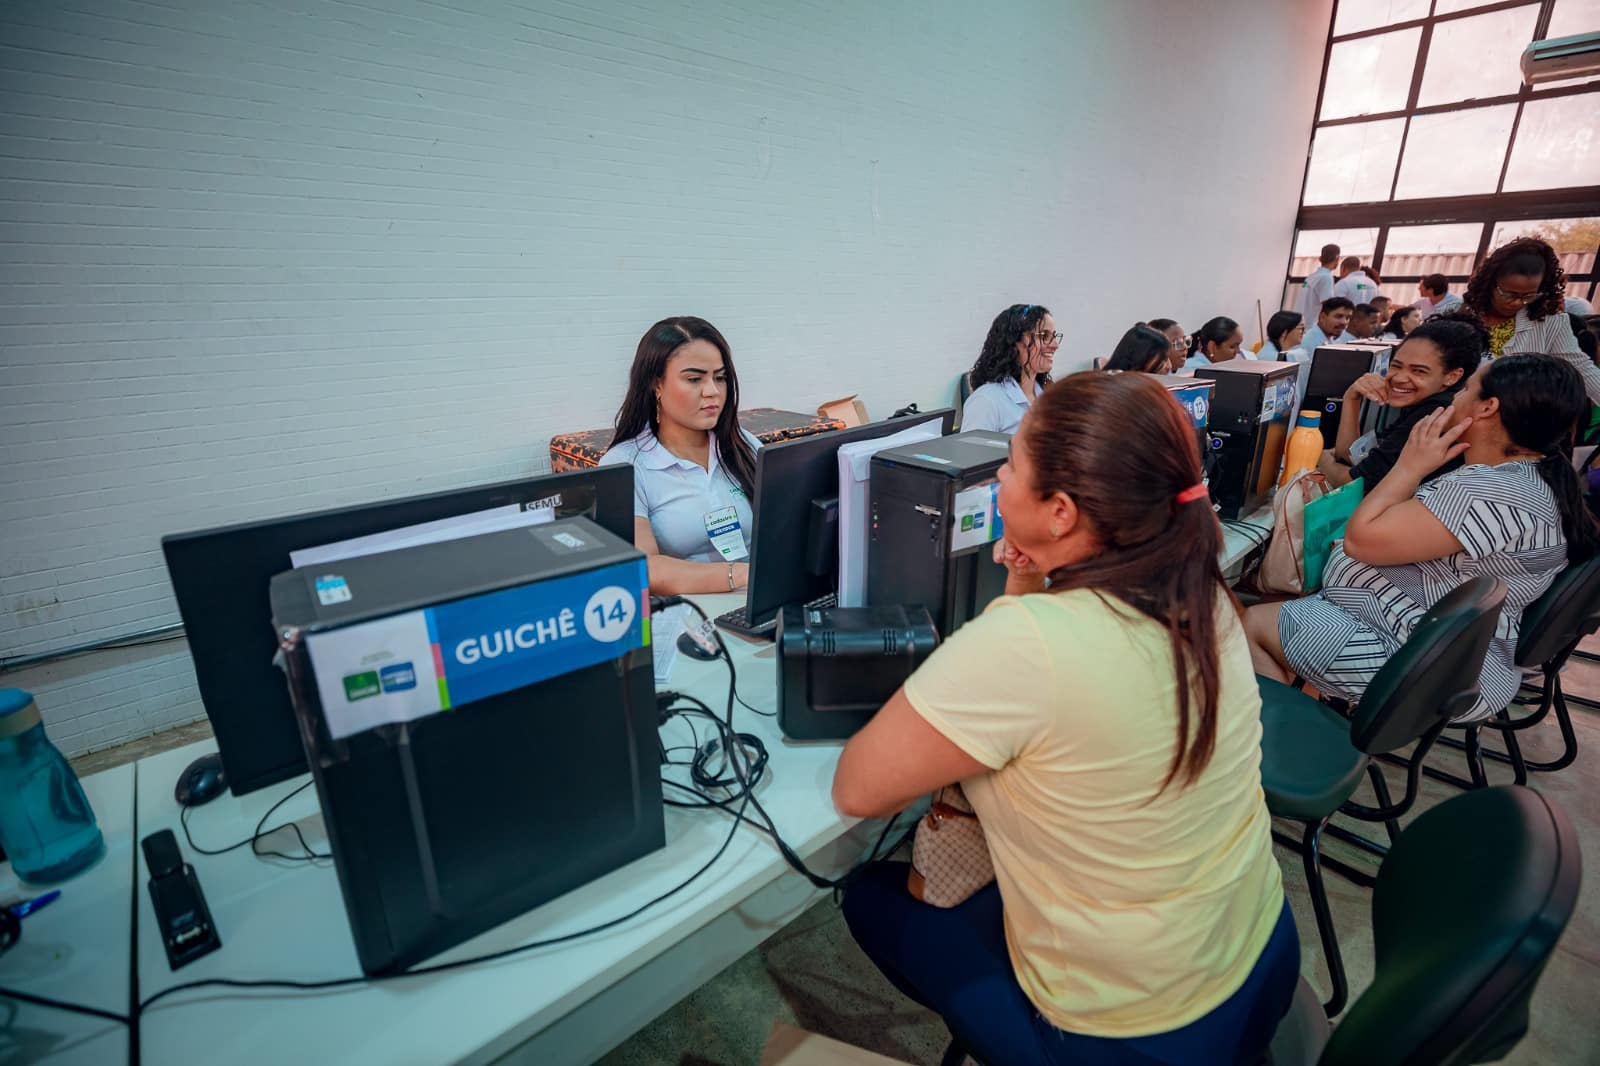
(1282,568)
(949,855)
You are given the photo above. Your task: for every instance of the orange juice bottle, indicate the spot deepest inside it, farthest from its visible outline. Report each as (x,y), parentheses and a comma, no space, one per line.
(1304,447)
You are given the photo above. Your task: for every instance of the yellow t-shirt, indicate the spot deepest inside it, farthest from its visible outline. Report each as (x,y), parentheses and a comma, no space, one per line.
(1127,913)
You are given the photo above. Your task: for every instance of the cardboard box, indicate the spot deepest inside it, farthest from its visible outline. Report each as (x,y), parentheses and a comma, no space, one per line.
(849,410)
(788,1046)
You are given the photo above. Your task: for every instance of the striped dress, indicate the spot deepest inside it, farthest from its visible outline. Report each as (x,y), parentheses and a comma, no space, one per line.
(1510,527)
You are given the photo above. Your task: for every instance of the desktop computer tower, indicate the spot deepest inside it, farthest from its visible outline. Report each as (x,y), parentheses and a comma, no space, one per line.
(479,716)
(1334,367)
(1252,409)
(934,515)
(1194,395)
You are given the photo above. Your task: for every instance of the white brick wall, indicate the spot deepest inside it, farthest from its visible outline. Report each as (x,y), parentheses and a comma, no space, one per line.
(263,256)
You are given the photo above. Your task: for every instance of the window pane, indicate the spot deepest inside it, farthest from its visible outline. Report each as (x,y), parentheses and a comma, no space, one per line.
(1574,16)
(1455,153)
(1308,246)
(1418,250)
(1477,57)
(1574,239)
(1353,164)
(1446,7)
(1357,15)
(1557,144)
(1370,74)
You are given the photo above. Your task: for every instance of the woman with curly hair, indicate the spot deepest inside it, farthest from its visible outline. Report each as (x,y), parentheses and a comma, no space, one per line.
(1518,292)
(1013,368)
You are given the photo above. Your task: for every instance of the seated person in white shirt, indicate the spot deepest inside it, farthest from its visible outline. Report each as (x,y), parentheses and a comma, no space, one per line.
(1364,323)
(1401,323)
(693,467)
(1437,299)
(1217,341)
(1142,350)
(1177,336)
(1330,327)
(1285,331)
(1383,305)
(1012,369)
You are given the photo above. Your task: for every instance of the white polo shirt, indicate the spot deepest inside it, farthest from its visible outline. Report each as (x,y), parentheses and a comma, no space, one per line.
(997,406)
(676,495)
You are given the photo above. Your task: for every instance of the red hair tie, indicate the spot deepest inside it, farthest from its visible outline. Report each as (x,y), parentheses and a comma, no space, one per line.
(1192,493)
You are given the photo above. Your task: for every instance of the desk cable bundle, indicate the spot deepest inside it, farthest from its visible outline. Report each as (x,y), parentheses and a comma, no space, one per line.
(730,763)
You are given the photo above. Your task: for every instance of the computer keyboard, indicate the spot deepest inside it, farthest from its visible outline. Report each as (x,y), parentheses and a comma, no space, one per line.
(736,621)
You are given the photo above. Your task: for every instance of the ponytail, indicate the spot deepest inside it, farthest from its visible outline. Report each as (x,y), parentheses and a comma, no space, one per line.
(1577,524)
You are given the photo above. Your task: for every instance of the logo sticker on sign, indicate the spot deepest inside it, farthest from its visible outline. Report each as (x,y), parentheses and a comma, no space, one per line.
(413,665)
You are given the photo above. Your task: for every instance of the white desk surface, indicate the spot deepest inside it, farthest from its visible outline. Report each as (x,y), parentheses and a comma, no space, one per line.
(75,949)
(1238,543)
(283,921)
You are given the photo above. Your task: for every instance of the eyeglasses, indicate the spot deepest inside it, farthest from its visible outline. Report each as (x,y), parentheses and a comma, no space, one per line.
(1516,297)
(1183,344)
(1047,337)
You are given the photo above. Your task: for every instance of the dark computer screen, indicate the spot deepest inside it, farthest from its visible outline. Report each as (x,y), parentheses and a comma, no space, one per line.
(221,577)
(789,477)
(1335,369)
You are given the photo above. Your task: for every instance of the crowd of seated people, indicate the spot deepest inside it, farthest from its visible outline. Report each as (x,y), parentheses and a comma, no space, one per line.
(1103,716)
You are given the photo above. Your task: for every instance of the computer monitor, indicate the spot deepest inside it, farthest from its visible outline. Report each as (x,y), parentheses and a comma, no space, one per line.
(796,484)
(1334,368)
(221,579)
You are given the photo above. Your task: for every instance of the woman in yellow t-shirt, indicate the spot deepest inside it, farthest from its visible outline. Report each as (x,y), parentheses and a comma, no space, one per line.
(1107,732)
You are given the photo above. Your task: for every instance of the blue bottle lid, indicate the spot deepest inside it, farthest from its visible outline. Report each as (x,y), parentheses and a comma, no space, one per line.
(13,700)
(1309,418)
(18,712)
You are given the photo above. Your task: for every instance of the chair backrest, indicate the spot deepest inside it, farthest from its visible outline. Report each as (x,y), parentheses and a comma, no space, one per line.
(1467,908)
(1568,610)
(1434,675)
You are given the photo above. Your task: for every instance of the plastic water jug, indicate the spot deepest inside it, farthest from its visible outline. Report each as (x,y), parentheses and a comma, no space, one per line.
(46,825)
(1304,447)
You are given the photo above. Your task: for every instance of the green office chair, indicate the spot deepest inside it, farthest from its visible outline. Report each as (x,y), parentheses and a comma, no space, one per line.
(1552,628)
(1312,759)
(1456,968)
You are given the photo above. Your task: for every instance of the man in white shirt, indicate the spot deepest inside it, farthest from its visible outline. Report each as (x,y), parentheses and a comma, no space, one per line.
(1436,296)
(1330,327)
(1318,285)
(1354,284)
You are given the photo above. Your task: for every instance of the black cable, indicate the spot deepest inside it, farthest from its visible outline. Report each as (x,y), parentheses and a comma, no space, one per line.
(56,1004)
(421,971)
(310,855)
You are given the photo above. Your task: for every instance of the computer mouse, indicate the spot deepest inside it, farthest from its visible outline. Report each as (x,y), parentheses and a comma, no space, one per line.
(201,782)
(694,649)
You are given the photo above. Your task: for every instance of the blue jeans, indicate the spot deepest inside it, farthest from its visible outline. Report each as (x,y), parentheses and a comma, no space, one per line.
(954,961)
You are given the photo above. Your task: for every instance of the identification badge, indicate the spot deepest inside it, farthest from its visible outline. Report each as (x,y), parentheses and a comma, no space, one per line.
(727,535)
(1362,447)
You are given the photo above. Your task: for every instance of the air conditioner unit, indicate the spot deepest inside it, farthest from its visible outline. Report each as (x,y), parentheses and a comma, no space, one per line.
(1560,58)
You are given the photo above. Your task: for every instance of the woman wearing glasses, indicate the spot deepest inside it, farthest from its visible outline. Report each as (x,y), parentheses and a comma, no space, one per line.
(1013,368)
(1179,338)
(1518,293)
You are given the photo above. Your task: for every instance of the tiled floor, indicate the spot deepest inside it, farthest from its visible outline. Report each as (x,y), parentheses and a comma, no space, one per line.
(812,974)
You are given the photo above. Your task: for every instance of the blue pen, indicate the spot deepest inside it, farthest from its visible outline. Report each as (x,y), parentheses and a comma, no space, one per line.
(28,906)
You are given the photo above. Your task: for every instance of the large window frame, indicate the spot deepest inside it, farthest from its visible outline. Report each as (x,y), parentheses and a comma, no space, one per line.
(1485,209)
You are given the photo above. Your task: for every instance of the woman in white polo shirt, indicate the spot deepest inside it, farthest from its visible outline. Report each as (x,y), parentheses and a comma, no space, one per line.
(693,467)
(1013,368)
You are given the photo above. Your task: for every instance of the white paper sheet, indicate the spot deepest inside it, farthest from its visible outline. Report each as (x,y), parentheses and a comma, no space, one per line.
(855,468)
(511,516)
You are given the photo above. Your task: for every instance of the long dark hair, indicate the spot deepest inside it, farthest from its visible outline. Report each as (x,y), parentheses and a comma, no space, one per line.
(1142,349)
(1460,336)
(1541,399)
(1529,257)
(1399,317)
(1123,448)
(1216,331)
(998,360)
(1280,323)
(638,411)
